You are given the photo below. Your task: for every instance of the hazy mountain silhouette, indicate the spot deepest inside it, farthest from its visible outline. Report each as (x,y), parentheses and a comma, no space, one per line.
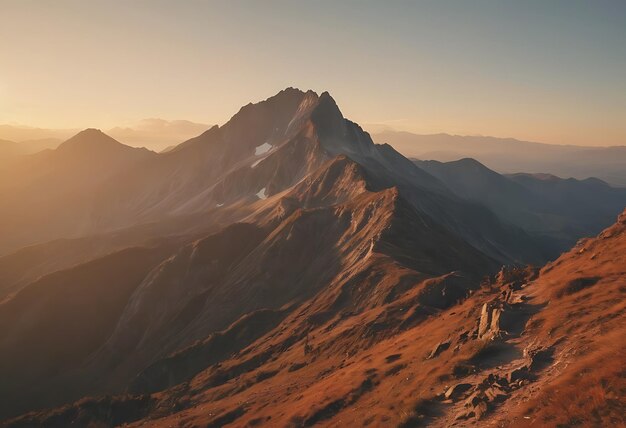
(562,209)
(48,195)
(154,134)
(157,134)
(41,138)
(11,151)
(507,155)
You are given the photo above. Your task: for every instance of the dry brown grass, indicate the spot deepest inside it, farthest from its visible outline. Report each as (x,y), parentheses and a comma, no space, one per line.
(589,392)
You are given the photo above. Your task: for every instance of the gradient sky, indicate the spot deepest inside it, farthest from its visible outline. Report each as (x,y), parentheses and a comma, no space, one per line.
(550,71)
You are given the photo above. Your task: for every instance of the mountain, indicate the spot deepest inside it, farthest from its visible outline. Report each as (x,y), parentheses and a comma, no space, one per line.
(36,139)
(157,134)
(514,339)
(507,155)
(48,195)
(58,320)
(263,150)
(24,266)
(88,156)
(563,210)
(153,133)
(11,151)
(281,269)
(387,347)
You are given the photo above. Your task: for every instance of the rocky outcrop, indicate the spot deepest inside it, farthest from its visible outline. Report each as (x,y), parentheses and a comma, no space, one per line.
(438,349)
(489,323)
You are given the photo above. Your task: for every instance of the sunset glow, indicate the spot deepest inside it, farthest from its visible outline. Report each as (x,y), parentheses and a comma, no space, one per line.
(553,73)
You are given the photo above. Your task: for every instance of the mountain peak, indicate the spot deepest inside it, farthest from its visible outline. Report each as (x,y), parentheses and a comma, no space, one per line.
(90,139)
(90,133)
(290,90)
(468,162)
(288,95)
(327,116)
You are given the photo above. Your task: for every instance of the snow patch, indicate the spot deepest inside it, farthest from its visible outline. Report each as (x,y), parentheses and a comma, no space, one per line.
(219,205)
(256,163)
(262,149)
(262,194)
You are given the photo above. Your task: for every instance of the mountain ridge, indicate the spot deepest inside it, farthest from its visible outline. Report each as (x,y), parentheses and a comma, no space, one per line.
(284,247)
(454,363)
(564,209)
(508,155)
(192,177)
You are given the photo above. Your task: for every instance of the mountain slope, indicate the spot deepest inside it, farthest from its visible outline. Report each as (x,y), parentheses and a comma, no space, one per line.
(564,210)
(322,237)
(11,151)
(55,323)
(88,156)
(525,347)
(48,195)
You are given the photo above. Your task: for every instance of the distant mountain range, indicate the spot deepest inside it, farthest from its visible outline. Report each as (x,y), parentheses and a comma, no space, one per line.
(10,150)
(154,134)
(562,209)
(285,270)
(504,155)
(507,155)
(157,134)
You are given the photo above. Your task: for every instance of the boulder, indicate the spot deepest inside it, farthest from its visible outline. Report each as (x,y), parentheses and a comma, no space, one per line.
(438,349)
(455,391)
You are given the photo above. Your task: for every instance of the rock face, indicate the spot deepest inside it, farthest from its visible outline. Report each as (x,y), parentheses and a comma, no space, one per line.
(489,323)
(484,322)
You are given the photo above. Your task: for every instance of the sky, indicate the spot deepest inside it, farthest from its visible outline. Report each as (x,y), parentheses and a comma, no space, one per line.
(548,71)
